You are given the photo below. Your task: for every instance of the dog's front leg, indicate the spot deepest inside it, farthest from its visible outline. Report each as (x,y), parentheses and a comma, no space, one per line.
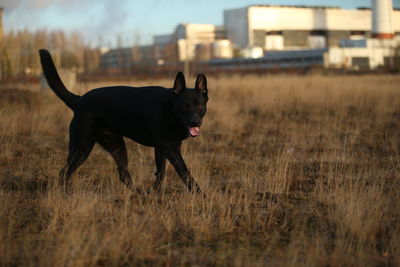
(174,156)
(160,157)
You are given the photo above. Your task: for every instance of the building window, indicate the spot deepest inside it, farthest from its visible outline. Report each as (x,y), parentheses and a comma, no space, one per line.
(317,33)
(361,63)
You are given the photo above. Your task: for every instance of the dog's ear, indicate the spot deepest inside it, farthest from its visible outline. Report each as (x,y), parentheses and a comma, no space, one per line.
(179,84)
(201,83)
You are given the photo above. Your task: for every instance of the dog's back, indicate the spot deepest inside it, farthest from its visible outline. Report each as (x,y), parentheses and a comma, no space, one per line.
(139,113)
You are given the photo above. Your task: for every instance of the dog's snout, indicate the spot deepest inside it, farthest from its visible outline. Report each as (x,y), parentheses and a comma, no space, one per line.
(195,122)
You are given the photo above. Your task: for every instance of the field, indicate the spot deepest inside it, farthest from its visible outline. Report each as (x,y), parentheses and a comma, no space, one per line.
(298,171)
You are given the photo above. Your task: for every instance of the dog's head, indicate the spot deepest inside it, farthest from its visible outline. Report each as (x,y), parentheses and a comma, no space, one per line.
(189,104)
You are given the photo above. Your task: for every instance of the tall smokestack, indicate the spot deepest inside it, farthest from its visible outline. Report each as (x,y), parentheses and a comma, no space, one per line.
(382,19)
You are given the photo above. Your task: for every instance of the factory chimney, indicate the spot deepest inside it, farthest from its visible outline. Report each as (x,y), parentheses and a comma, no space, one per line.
(382,19)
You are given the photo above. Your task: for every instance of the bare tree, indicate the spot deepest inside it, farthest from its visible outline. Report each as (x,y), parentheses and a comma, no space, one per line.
(18,51)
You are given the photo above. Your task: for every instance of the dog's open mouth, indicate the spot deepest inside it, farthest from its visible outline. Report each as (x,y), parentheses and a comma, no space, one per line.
(194,131)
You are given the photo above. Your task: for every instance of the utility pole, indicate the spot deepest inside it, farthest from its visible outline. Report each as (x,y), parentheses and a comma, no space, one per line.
(186,64)
(1,39)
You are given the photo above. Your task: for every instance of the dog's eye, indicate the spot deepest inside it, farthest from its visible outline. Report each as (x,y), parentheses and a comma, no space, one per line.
(199,107)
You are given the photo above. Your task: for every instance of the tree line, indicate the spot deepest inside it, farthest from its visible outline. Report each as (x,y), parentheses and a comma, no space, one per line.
(19,51)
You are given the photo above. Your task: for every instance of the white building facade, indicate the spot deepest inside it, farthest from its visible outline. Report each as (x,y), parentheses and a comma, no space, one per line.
(294,27)
(201,42)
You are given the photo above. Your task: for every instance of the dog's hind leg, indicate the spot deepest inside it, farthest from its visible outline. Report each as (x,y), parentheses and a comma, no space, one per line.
(76,157)
(80,146)
(160,157)
(115,145)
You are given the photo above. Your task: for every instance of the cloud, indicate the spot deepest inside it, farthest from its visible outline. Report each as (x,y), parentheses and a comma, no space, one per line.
(90,17)
(12,5)
(105,18)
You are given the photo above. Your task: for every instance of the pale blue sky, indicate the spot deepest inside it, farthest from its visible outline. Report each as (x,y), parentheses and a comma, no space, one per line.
(130,18)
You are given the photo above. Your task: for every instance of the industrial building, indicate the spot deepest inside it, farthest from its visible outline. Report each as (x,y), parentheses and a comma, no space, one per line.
(126,58)
(299,27)
(331,37)
(191,37)
(163,47)
(275,60)
(265,36)
(364,54)
(193,42)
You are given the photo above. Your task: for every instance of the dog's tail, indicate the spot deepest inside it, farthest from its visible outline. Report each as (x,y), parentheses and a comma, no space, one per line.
(53,79)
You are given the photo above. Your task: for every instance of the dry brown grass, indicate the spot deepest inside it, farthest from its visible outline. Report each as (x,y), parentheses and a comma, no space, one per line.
(299,171)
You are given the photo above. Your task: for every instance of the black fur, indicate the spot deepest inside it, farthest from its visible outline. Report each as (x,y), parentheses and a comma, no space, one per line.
(152,116)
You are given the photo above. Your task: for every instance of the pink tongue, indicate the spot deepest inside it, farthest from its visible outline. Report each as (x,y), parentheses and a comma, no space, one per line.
(194,131)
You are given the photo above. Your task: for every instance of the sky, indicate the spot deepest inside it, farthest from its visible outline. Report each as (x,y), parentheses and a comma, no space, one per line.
(132,21)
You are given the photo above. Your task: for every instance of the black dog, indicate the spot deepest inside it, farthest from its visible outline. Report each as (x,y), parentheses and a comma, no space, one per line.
(152,116)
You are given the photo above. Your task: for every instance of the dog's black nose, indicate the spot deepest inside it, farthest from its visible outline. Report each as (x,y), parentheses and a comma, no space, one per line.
(194,123)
